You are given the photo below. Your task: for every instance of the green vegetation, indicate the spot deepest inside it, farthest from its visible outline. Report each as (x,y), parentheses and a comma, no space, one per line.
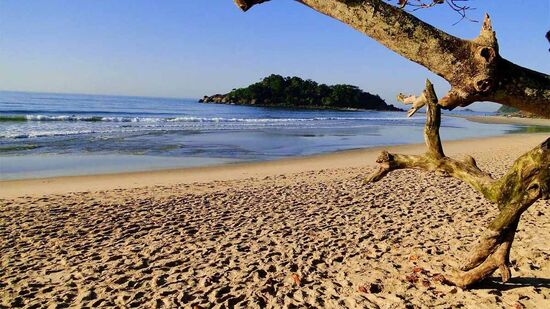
(279,91)
(507,110)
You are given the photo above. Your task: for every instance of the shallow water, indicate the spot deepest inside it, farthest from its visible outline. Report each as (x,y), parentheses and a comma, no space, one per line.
(37,128)
(51,165)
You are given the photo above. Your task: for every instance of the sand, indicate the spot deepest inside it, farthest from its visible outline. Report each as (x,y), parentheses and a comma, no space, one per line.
(541,122)
(305,232)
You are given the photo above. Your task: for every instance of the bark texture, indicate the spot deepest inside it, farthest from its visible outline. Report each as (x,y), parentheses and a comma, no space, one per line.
(474,68)
(527,181)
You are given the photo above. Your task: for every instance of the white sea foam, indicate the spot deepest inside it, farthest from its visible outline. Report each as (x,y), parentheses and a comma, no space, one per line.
(74,118)
(34,134)
(35,126)
(90,118)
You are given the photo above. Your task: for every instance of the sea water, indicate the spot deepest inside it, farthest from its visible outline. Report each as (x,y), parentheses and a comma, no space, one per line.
(45,134)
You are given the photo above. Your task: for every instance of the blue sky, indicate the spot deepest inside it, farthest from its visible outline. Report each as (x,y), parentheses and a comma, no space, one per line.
(188,48)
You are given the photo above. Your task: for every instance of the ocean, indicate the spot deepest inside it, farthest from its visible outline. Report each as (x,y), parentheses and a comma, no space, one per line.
(45,134)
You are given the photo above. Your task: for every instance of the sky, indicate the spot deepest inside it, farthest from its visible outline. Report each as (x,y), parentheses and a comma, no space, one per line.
(190,48)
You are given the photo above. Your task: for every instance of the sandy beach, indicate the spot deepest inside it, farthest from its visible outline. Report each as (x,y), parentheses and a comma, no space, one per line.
(541,122)
(303,232)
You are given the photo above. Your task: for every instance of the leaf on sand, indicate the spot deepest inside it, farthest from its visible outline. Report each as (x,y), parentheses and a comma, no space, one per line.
(297,280)
(412,278)
(519,306)
(419,270)
(441,279)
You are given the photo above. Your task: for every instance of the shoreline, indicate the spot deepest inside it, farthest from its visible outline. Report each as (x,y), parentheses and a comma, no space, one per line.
(288,233)
(305,107)
(238,171)
(508,120)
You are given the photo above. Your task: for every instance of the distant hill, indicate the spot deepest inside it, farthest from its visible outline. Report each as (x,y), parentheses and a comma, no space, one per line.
(279,91)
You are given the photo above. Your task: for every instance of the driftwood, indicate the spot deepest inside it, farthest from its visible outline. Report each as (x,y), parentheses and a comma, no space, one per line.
(417,102)
(527,181)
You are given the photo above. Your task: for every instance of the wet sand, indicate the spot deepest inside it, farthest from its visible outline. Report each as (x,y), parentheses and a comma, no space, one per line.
(305,232)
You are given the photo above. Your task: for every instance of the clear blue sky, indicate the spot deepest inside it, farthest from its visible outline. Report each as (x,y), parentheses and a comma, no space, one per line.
(188,48)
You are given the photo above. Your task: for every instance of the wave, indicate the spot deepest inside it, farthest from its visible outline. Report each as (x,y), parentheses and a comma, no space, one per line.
(149,124)
(32,134)
(67,118)
(73,118)
(53,133)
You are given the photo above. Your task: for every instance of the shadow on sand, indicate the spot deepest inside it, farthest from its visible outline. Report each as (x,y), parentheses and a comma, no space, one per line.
(519,282)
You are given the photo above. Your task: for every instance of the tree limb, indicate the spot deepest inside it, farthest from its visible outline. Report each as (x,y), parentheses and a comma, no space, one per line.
(416,102)
(526,181)
(435,160)
(474,68)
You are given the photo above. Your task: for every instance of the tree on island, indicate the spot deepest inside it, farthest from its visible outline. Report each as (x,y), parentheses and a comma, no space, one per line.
(276,90)
(476,72)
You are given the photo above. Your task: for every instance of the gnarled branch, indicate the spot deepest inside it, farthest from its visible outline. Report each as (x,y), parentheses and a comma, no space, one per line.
(527,181)
(435,160)
(417,102)
(474,68)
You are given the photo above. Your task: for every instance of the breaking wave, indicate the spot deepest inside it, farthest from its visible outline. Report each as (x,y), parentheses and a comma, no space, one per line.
(68,118)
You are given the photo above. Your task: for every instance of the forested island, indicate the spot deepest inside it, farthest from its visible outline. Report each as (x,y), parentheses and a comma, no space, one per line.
(295,92)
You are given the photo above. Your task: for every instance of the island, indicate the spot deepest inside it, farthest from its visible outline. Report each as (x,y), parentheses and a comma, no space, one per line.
(295,92)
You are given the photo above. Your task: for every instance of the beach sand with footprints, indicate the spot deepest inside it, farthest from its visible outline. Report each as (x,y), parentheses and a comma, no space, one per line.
(296,233)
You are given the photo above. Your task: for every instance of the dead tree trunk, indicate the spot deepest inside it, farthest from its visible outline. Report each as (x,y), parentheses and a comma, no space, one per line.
(527,181)
(474,68)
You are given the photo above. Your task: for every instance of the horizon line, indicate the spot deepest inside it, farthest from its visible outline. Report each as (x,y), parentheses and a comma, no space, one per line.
(101,94)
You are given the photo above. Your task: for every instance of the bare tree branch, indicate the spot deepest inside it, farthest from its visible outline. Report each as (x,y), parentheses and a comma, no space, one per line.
(527,181)
(455,5)
(474,68)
